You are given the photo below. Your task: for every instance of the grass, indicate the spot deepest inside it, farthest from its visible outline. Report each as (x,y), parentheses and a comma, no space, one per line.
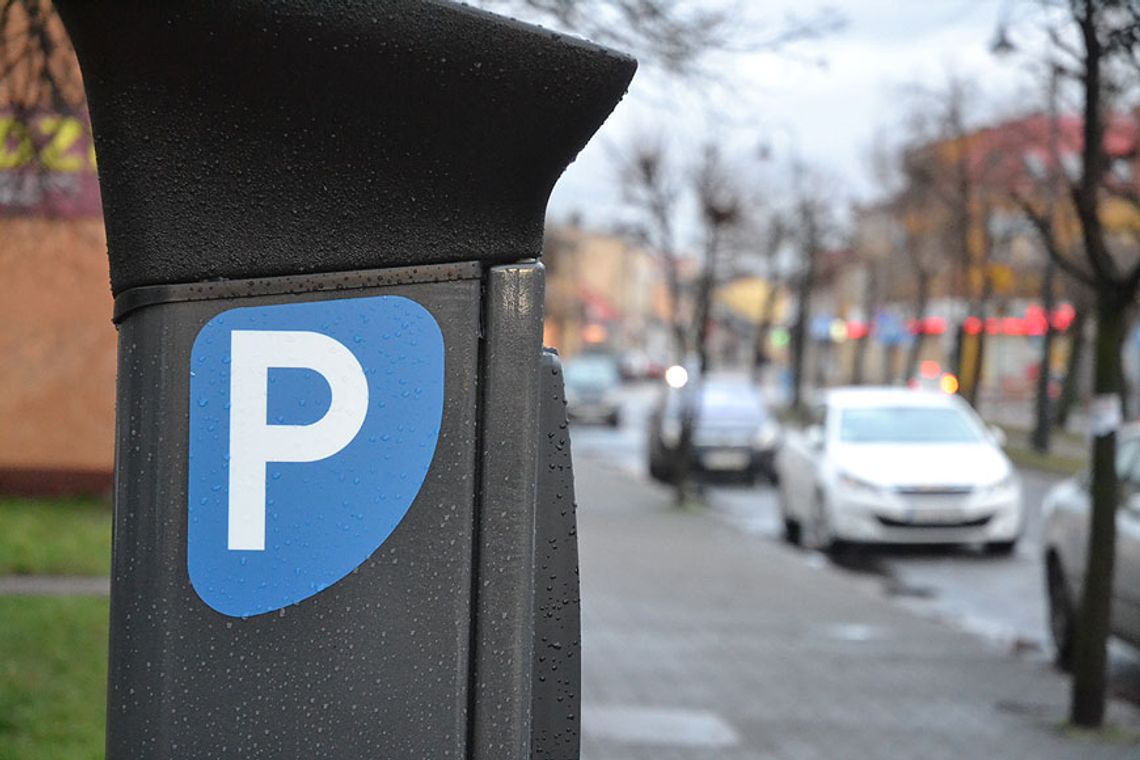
(1107,734)
(1058,464)
(55,537)
(1061,461)
(53,671)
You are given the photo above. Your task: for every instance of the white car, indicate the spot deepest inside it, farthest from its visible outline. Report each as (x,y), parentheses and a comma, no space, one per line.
(1066,514)
(889,465)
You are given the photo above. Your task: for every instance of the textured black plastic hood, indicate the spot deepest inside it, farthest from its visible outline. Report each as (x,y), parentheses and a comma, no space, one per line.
(245,139)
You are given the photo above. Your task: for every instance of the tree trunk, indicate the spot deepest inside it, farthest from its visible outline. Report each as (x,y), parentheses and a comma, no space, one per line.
(921,299)
(682,455)
(870,299)
(803,311)
(704,320)
(799,339)
(1125,385)
(973,387)
(680,331)
(1071,384)
(1044,421)
(959,346)
(822,363)
(1090,646)
(859,361)
(764,330)
(690,408)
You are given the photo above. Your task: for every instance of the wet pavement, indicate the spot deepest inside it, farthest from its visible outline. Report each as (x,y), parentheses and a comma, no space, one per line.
(704,640)
(1001,599)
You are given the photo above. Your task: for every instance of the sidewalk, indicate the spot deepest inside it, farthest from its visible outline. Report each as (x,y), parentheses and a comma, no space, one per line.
(702,642)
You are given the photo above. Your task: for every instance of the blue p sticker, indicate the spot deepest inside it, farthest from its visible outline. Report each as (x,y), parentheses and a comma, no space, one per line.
(312,427)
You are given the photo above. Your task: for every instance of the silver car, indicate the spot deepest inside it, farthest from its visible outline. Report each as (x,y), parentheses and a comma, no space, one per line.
(1066,513)
(593,387)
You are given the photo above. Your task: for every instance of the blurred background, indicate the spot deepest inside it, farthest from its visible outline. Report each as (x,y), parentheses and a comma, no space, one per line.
(936,200)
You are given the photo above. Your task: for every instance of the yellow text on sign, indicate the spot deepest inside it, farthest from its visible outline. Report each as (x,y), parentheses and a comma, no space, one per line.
(57,142)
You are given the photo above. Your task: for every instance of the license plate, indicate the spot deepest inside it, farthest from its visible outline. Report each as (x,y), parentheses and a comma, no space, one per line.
(725,460)
(934,516)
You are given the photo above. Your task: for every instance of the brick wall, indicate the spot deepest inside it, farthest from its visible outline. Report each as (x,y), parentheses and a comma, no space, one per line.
(57,356)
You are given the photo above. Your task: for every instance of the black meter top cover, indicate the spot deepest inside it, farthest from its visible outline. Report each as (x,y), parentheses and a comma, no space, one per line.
(259,138)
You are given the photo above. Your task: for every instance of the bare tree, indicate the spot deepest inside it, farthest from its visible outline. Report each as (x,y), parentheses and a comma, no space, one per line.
(719,200)
(811,211)
(1108,30)
(910,178)
(1070,384)
(676,35)
(39,83)
(871,297)
(772,238)
(38,70)
(946,163)
(652,185)
(1098,43)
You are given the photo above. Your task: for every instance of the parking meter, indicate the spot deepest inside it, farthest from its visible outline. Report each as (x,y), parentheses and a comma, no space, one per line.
(338,441)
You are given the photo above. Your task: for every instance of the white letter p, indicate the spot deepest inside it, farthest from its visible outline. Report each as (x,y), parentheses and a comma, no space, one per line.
(254,442)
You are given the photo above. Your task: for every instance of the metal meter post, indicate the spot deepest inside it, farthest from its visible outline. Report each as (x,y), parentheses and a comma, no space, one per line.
(323,222)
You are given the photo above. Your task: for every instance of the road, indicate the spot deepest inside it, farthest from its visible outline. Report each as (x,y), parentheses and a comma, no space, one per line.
(1000,598)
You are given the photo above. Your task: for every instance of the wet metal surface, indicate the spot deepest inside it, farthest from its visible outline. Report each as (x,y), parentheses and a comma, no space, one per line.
(233,137)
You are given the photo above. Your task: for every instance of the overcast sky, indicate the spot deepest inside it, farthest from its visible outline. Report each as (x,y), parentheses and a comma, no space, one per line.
(829,114)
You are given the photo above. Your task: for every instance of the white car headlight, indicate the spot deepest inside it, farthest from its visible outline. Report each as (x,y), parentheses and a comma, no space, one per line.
(1006,483)
(767,436)
(847,480)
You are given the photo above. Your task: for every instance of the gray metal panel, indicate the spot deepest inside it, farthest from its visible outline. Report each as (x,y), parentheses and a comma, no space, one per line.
(376,665)
(556,726)
(504,582)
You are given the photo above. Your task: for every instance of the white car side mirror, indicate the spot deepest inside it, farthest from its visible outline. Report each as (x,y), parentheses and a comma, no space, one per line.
(998,436)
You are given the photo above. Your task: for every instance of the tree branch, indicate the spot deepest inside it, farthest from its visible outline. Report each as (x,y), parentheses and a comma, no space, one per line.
(674,34)
(1044,227)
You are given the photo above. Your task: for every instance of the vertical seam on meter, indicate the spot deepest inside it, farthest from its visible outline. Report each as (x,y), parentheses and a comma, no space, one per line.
(476,515)
(167,372)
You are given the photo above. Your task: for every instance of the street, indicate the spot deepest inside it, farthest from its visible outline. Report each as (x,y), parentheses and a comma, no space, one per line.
(1000,599)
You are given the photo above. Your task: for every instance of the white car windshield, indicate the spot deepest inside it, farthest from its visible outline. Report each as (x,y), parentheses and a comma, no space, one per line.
(908,424)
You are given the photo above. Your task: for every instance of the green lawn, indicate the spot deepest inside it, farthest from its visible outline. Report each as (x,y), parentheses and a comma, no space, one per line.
(1057,464)
(55,537)
(53,671)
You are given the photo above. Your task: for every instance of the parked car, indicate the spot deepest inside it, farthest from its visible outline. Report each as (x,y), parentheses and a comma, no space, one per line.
(733,434)
(889,465)
(1066,514)
(593,386)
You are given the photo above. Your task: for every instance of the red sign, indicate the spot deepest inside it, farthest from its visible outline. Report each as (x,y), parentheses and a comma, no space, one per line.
(47,166)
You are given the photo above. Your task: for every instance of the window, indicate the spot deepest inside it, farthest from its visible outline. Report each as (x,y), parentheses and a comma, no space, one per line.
(908,424)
